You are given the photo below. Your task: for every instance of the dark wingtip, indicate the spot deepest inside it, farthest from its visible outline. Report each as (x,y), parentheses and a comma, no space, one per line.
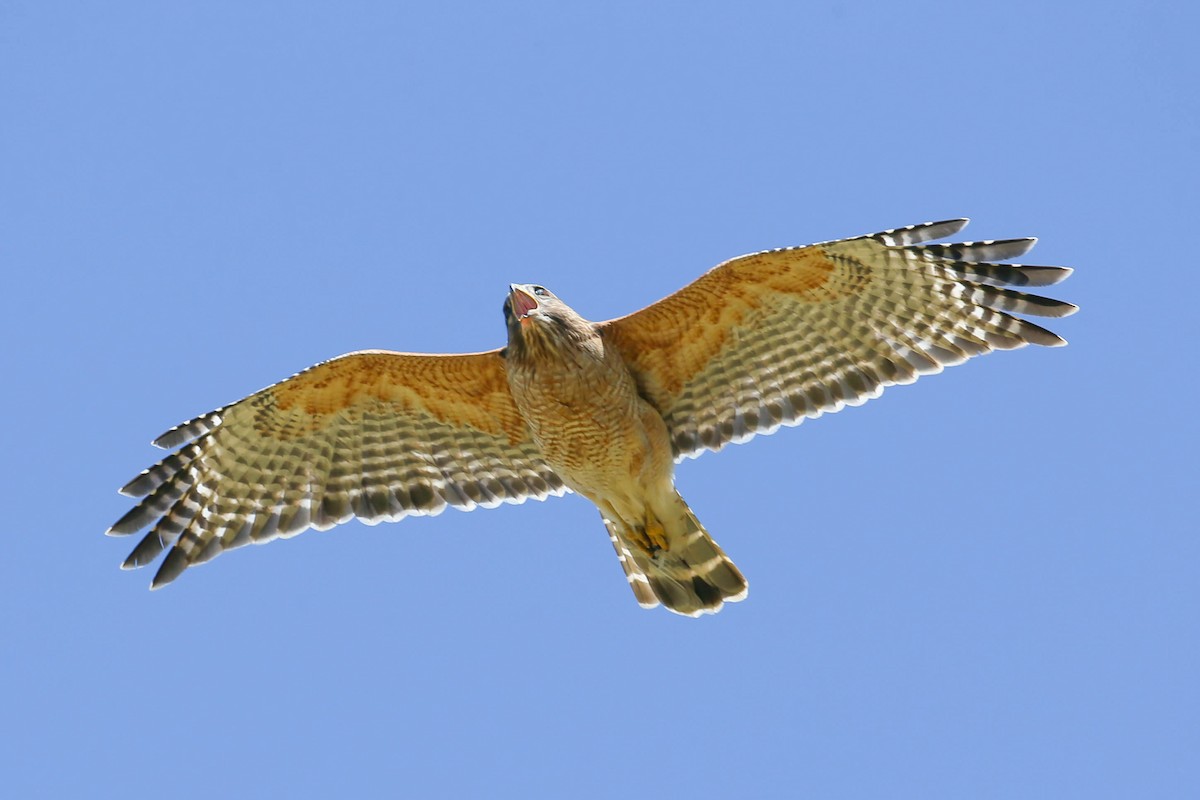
(133,521)
(172,567)
(1036,334)
(172,438)
(140,486)
(148,549)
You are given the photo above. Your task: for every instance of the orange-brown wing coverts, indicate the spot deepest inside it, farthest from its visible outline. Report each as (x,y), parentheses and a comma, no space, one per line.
(375,435)
(768,339)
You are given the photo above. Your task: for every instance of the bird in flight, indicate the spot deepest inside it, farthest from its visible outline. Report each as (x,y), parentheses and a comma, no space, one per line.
(604,409)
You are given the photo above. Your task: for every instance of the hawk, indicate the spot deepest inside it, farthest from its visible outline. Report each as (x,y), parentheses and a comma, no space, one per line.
(602,409)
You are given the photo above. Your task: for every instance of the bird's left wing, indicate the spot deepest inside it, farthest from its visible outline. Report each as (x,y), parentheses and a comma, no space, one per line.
(375,435)
(771,338)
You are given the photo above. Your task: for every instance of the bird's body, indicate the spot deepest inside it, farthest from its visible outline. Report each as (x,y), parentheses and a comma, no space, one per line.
(603,409)
(583,407)
(610,445)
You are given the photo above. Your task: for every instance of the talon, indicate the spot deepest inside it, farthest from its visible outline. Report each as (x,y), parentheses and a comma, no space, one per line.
(657,535)
(638,537)
(651,539)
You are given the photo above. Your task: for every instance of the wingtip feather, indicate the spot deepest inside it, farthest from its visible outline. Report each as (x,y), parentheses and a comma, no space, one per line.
(171,568)
(960,222)
(1036,334)
(169,439)
(139,486)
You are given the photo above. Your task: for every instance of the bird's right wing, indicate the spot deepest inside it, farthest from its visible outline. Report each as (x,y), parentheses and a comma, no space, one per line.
(375,435)
(770,338)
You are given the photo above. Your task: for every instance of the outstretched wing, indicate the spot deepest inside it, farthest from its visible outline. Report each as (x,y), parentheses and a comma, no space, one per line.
(771,338)
(375,435)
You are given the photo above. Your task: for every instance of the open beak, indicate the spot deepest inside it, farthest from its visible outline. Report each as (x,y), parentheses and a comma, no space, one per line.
(522,301)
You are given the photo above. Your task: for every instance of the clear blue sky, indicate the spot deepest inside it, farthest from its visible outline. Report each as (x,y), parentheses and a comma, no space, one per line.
(983,585)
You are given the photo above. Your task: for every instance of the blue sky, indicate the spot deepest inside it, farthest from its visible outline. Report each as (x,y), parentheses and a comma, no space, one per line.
(982,585)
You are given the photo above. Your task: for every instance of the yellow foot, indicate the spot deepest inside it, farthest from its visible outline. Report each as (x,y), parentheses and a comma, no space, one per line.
(657,534)
(638,537)
(651,538)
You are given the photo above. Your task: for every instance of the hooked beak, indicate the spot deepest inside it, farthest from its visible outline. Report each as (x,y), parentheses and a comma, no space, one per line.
(522,302)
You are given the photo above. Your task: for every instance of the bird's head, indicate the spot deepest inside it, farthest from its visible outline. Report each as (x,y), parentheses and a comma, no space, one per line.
(536,318)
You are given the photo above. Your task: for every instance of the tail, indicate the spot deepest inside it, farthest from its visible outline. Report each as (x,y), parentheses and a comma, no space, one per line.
(675,562)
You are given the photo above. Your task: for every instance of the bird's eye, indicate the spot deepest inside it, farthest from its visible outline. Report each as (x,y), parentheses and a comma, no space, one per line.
(540,291)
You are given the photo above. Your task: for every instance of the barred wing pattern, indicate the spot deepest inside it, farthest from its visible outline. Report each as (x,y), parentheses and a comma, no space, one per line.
(375,435)
(772,338)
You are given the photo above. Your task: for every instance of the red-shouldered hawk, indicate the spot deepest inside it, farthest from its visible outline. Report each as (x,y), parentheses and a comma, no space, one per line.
(604,409)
